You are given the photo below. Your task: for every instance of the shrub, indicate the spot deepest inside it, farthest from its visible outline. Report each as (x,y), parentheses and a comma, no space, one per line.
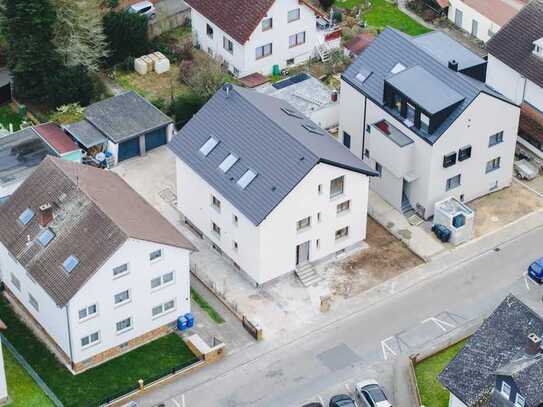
(185,71)
(70,84)
(161,104)
(68,114)
(206,76)
(185,106)
(326,4)
(126,34)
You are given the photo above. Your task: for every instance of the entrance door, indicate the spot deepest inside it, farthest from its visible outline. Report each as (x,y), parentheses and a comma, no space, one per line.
(302,253)
(474,28)
(458,17)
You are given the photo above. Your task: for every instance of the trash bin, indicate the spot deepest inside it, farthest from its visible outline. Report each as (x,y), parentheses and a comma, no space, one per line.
(182,323)
(190,320)
(276,71)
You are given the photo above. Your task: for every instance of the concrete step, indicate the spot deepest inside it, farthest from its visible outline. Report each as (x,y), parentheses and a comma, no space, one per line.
(308,276)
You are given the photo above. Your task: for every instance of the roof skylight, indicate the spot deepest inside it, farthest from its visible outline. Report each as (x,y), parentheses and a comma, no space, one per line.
(246,178)
(70,263)
(208,146)
(45,237)
(26,216)
(292,112)
(312,128)
(228,162)
(399,67)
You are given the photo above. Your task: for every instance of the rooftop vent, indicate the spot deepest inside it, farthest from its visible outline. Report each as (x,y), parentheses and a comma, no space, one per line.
(45,214)
(399,67)
(453,65)
(312,128)
(533,344)
(292,112)
(227,87)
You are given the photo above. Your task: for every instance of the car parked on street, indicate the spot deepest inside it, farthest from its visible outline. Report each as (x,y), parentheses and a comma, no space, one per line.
(313,404)
(143,7)
(371,394)
(535,271)
(342,400)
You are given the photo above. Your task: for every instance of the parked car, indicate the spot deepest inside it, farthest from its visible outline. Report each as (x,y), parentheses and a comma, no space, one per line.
(525,170)
(342,400)
(535,271)
(314,404)
(371,394)
(143,7)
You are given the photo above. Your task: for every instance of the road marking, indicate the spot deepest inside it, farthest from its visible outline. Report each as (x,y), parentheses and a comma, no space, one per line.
(183,400)
(176,403)
(392,287)
(527,283)
(441,324)
(385,347)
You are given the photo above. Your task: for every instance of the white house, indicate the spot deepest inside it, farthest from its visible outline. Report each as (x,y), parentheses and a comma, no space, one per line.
(414,110)
(256,36)
(483,18)
(95,267)
(269,188)
(515,69)
(3,382)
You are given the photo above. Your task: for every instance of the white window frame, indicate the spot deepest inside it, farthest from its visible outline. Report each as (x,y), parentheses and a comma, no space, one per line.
(296,40)
(32,301)
(263,51)
(343,207)
(126,329)
(303,224)
(339,192)
(89,337)
(163,310)
(216,203)
(495,139)
(156,258)
(341,236)
(264,26)
(216,229)
(293,15)
(163,283)
(493,165)
(15,281)
(122,273)
(228,44)
(448,186)
(506,390)
(87,315)
(520,401)
(123,302)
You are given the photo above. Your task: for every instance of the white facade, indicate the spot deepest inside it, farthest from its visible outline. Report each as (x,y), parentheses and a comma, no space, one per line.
(271,249)
(63,323)
(415,171)
(455,401)
(471,20)
(3,382)
(242,59)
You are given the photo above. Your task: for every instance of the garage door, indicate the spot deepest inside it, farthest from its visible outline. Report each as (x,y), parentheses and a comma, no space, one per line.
(155,139)
(129,149)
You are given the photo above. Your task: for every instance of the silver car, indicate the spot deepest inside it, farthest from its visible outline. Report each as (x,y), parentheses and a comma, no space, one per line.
(143,7)
(371,394)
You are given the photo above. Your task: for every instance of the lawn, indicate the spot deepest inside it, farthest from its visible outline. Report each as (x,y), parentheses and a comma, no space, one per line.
(23,391)
(432,393)
(7,116)
(384,13)
(114,377)
(198,299)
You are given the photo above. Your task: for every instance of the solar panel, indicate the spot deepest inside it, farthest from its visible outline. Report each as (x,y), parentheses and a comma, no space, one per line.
(45,237)
(208,146)
(291,81)
(228,163)
(26,216)
(246,178)
(70,263)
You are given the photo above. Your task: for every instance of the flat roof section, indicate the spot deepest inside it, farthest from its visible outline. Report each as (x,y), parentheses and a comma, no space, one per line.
(56,138)
(84,132)
(392,133)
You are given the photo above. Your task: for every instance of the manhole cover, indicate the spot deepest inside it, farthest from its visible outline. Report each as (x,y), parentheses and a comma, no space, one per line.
(494,219)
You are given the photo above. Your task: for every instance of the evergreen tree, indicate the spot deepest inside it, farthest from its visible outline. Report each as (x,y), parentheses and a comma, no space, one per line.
(28,29)
(126,34)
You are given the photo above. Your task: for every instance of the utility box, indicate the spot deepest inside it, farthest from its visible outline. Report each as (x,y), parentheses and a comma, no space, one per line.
(140,66)
(457,217)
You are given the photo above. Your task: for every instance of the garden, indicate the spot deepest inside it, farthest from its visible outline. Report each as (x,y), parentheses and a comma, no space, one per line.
(93,387)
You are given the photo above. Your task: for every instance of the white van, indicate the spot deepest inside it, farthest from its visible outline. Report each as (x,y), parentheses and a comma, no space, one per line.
(143,7)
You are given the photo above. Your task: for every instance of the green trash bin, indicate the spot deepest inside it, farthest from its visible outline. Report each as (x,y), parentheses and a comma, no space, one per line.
(22,110)
(276,71)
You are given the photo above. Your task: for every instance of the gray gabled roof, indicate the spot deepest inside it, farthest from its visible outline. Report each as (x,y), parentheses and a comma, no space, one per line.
(255,128)
(393,47)
(84,132)
(498,347)
(125,116)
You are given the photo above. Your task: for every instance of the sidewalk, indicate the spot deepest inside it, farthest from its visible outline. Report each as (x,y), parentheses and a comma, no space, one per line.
(422,243)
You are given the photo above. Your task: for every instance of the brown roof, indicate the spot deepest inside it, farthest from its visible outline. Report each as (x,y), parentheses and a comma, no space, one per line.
(360,43)
(513,43)
(95,213)
(531,122)
(56,138)
(499,11)
(253,80)
(237,18)
(443,3)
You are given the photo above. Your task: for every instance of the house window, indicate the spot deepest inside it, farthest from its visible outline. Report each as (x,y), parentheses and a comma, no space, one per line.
(208,146)
(411,110)
(155,255)
(319,189)
(346,139)
(493,165)
(70,263)
(235,219)
(366,153)
(464,153)
(246,178)
(163,308)
(120,270)
(449,160)
(236,246)
(342,233)
(33,302)
(122,297)
(215,203)
(162,280)
(26,216)
(495,139)
(453,182)
(336,186)
(290,61)
(343,207)
(15,281)
(91,339)
(506,390)
(424,122)
(264,51)
(228,162)
(296,39)
(209,31)
(88,312)
(519,401)
(293,15)
(124,325)
(216,229)
(397,103)
(303,224)
(228,45)
(267,24)
(45,237)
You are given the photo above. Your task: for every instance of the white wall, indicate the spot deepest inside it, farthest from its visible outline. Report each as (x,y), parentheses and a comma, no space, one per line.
(269,250)
(244,55)
(3,383)
(102,287)
(8,189)
(473,128)
(468,15)
(455,402)
(505,80)
(51,317)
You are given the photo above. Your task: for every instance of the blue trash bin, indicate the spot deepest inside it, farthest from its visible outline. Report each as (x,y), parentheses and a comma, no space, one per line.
(182,323)
(190,320)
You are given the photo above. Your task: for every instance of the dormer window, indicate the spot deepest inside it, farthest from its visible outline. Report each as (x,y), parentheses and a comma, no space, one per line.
(520,401)
(538,47)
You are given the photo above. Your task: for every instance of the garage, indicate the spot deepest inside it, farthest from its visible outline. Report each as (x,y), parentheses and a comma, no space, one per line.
(155,139)
(129,149)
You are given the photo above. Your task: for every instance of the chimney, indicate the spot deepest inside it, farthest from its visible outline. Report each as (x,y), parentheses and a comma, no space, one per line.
(453,64)
(334,96)
(227,89)
(533,344)
(45,214)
